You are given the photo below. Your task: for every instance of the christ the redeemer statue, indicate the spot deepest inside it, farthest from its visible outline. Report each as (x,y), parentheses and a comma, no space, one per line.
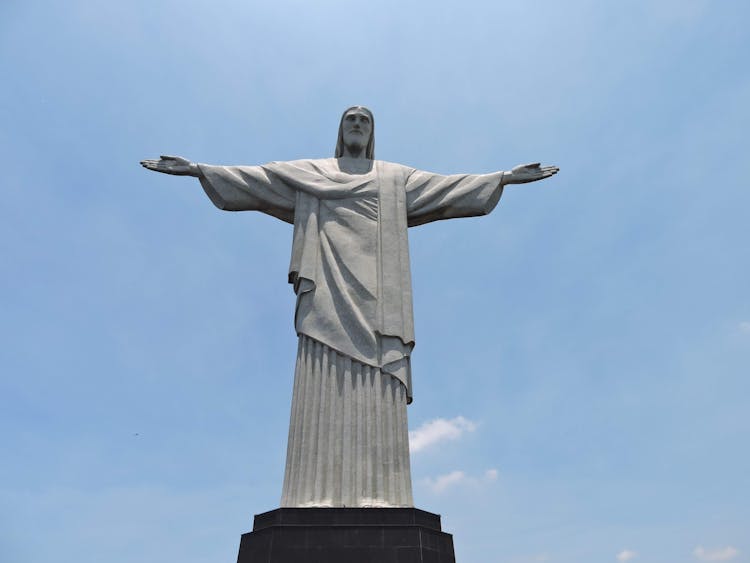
(348,435)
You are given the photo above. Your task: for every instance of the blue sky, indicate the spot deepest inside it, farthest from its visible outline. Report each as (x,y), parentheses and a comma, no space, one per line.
(582,360)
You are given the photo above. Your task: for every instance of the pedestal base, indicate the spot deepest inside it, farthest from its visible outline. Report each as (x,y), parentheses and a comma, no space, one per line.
(346,535)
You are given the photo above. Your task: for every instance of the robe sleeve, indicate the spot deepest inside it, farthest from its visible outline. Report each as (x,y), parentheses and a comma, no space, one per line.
(249,188)
(432,197)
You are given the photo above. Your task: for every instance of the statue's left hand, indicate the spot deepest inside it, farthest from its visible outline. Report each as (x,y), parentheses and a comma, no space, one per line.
(524,173)
(175,165)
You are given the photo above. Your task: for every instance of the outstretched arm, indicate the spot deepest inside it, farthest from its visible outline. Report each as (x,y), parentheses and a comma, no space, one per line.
(234,188)
(175,165)
(432,197)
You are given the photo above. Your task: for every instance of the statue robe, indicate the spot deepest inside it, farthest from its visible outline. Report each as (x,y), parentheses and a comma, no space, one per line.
(350,272)
(350,254)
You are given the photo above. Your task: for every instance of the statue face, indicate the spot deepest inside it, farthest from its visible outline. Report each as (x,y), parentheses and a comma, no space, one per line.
(357,128)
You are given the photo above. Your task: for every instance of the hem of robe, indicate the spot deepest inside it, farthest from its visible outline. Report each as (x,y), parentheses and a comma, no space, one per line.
(398,364)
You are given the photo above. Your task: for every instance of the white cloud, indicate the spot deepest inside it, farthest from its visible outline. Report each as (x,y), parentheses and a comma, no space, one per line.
(718,554)
(439,484)
(438,430)
(626,555)
(442,482)
(745,327)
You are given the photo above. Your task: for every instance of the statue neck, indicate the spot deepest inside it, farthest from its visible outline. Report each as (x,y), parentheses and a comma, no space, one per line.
(356,152)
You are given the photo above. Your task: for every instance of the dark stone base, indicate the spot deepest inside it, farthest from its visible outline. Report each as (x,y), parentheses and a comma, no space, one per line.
(346,535)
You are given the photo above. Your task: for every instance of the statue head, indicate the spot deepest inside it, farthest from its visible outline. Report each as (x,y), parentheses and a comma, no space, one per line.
(355,122)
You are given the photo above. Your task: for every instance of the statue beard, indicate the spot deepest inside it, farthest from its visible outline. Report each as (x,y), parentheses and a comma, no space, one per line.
(356,148)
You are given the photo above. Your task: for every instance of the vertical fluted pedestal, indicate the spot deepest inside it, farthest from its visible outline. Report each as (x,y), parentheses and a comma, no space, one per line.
(346,535)
(348,434)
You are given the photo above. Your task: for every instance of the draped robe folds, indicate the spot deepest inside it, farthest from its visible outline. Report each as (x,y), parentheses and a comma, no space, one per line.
(350,257)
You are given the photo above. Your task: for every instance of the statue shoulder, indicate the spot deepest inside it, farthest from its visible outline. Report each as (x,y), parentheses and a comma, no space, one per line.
(319,165)
(302,162)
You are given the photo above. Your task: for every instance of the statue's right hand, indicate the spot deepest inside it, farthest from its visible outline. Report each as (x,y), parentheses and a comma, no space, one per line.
(172,165)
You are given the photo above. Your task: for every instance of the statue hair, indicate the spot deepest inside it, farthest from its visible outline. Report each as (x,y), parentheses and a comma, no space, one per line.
(370,150)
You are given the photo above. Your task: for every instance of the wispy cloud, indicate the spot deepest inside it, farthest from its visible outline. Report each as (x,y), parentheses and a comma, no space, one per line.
(439,484)
(490,475)
(745,327)
(443,482)
(626,555)
(438,430)
(718,554)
